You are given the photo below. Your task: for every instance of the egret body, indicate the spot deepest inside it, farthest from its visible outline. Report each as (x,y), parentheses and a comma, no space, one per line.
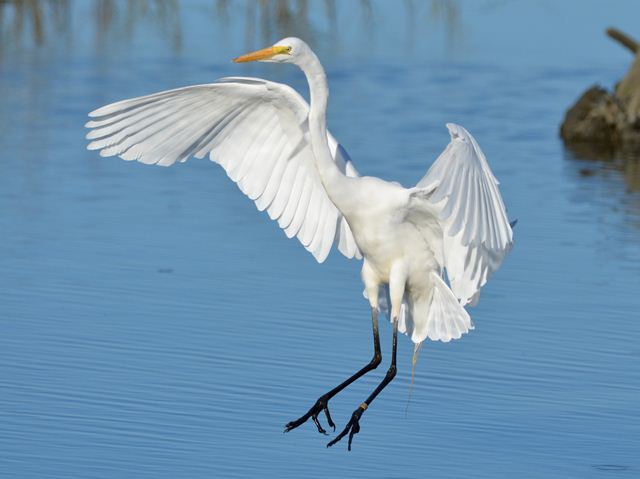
(277,149)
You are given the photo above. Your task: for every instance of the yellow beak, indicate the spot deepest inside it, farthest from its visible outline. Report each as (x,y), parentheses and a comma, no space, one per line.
(263,54)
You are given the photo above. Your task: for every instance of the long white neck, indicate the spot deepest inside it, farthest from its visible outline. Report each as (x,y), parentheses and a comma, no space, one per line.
(335,182)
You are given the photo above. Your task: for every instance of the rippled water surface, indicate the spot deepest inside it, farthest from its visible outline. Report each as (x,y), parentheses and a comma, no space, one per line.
(154,324)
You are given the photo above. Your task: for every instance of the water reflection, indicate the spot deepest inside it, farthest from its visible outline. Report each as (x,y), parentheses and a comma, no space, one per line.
(32,23)
(594,161)
(115,19)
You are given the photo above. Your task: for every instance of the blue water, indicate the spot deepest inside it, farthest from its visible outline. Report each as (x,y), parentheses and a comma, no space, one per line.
(154,324)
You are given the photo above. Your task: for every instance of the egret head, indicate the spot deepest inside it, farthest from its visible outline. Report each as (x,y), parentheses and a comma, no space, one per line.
(287,50)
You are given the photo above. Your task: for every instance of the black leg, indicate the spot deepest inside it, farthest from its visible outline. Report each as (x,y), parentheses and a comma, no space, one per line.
(322,404)
(353,426)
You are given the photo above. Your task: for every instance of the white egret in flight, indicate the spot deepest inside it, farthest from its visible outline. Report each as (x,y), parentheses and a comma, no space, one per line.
(277,149)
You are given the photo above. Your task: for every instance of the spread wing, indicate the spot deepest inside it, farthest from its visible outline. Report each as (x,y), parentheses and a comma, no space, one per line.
(256,130)
(461,191)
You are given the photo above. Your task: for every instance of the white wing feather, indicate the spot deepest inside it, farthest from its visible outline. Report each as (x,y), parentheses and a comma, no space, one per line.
(476,232)
(256,130)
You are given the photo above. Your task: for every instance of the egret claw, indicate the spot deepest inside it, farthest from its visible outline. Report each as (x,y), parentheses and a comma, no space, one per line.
(352,427)
(320,405)
(318,425)
(329,420)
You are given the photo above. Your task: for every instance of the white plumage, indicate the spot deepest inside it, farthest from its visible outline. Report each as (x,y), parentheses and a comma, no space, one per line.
(477,234)
(452,225)
(255,130)
(276,148)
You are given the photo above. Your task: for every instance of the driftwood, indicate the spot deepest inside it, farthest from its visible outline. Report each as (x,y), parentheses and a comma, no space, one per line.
(608,120)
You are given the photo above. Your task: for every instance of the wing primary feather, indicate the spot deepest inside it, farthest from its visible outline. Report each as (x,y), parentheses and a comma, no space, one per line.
(256,130)
(294,200)
(212,138)
(462,190)
(273,184)
(251,168)
(141,136)
(302,206)
(121,130)
(173,137)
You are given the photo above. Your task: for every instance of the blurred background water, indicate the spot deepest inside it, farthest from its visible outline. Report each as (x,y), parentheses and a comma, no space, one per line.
(154,324)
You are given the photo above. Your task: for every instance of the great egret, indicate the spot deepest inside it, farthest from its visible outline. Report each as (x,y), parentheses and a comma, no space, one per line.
(277,149)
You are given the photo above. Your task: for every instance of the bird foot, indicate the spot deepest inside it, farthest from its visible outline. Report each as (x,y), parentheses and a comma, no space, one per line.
(322,404)
(352,427)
